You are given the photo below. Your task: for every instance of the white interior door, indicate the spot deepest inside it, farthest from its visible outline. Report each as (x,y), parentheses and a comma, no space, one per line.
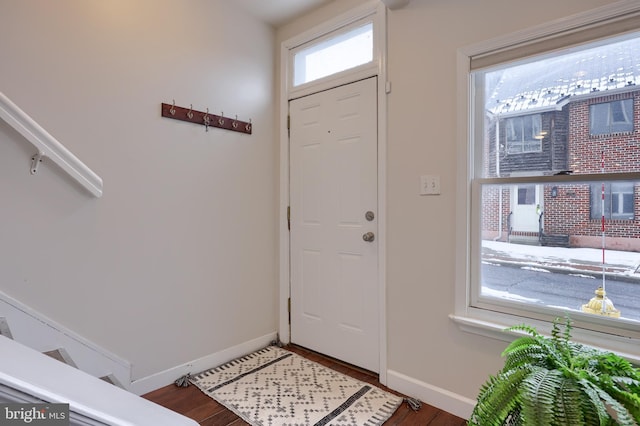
(333,195)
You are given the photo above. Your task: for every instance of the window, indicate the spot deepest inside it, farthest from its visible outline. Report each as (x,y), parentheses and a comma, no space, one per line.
(611,117)
(526,194)
(524,258)
(524,134)
(346,50)
(555,86)
(617,200)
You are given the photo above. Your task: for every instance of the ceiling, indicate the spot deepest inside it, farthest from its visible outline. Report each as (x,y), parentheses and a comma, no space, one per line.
(279,12)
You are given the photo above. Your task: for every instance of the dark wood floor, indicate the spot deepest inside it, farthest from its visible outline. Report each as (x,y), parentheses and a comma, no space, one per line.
(191,402)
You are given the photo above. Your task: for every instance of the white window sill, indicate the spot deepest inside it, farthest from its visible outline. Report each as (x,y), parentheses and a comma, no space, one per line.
(628,348)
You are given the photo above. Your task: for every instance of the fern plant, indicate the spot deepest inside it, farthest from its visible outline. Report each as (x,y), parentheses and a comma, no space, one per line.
(549,381)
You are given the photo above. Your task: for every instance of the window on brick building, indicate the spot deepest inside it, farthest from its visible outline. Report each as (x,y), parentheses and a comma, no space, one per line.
(617,200)
(531,246)
(611,117)
(524,134)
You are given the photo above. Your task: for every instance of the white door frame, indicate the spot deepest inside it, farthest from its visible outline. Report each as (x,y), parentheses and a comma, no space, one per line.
(377,9)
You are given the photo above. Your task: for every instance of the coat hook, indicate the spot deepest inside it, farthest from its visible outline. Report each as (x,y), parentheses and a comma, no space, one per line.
(172,110)
(206,121)
(234,124)
(190,112)
(247,127)
(221,119)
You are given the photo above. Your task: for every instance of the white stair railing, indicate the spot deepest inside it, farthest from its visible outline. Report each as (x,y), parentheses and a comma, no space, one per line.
(48,146)
(27,375)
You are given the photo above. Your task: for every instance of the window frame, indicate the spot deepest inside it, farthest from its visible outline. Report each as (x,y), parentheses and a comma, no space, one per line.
(611,122)
(339,36)
(618,190)
(524,139)
(360,16)
(471,312)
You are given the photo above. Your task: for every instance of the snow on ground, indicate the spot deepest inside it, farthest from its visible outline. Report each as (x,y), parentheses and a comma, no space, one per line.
(506,295)
(542,254)
(531,268)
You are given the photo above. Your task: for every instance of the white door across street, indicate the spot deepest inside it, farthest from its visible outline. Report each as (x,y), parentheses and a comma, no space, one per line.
(526,201)
(333,245)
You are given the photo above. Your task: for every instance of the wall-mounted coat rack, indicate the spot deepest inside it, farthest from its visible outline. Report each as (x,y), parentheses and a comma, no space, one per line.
(206,118)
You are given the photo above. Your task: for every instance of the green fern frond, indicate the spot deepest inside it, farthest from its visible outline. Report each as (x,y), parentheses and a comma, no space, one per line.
(615,365)
(567,328)
(631,401)
(537,351)
(590,414)
(628,385)
(498,398)
(593,403)
(567,410)
(584,357)
(525,355)
(622,416)
(524,341)
(538,393)
(525,329)
(555,330)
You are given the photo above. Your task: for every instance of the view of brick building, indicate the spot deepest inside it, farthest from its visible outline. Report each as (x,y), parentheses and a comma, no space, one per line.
(575,115)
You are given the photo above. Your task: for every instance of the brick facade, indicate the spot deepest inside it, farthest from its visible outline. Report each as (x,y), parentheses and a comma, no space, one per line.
(621,151)
(568,145)
(492,216)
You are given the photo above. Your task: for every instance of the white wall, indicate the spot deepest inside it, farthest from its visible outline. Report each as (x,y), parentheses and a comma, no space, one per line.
(177,260)
(423,40)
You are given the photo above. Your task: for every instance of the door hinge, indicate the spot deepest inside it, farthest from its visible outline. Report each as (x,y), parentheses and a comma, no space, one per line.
(289,309)
(289,218)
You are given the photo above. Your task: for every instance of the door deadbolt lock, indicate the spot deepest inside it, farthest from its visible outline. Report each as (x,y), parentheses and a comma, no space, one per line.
(369,215)
(369,237)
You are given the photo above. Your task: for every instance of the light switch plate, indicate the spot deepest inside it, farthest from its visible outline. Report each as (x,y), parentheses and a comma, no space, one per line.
(429,185)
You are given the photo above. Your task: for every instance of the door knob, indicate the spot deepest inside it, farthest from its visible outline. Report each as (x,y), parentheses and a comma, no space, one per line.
(369,237)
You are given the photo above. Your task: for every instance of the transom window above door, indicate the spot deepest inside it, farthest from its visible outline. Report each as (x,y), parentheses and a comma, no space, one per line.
(323,58)
(335,54)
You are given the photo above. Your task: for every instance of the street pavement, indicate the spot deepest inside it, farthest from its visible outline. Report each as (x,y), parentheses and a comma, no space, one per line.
(620,265)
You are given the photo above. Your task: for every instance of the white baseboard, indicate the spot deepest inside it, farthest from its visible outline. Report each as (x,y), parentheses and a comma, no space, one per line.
(164,378)
(42,334)
(440,398)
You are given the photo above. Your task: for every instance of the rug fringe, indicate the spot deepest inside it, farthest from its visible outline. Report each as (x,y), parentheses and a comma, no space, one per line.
(183,381)
(277,342)
(413,403)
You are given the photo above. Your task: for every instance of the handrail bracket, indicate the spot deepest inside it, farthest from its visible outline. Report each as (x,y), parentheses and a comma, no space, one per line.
(48,146)
(35,162)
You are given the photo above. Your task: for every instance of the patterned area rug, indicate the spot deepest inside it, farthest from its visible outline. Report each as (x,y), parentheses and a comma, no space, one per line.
(276,387)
